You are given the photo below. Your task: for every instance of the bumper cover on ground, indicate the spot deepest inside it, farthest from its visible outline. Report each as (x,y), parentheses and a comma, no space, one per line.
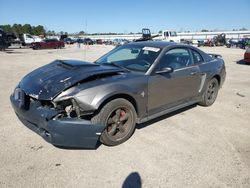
(66,132)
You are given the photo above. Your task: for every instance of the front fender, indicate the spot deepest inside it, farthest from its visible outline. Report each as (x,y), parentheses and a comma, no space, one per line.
(138,94)
(90,96)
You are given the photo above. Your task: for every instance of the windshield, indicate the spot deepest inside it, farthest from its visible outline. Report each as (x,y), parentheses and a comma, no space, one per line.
(131,57)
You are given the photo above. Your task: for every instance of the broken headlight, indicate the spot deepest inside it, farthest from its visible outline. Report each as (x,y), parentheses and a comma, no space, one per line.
(69,107)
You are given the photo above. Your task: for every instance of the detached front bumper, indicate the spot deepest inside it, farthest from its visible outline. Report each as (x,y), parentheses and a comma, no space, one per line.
(66,132)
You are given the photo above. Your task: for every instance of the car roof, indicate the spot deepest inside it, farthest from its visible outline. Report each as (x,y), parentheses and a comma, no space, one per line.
(157,44)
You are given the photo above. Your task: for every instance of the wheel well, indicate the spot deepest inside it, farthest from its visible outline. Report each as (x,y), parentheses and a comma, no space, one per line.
(123,96)
(218,78)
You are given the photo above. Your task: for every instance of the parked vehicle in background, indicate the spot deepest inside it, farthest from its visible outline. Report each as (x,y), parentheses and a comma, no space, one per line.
(86,41)
(146,35)
(62,37)
(119,42)
(99,41)
(247,55)
(4,42)
(68,41)
(220,40)
(47,44)
(247,44)
(108,42)
(208,42)
(170,36)
(79,40)
(27,39)
(186,41)
(166,35)
(11,37)
(238,43)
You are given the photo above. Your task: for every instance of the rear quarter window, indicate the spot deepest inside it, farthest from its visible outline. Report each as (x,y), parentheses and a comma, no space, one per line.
(197,57)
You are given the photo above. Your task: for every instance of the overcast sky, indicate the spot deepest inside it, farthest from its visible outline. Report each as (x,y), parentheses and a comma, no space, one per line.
(127,15)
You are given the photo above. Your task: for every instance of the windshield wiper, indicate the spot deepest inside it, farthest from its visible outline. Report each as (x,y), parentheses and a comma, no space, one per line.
(116,65)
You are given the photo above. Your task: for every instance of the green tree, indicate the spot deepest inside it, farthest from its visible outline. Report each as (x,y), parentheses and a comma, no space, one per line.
(204,30)
(38,30)
(53,32)
(81,33)
(17,28)
(27,28)
(6,28)
(49,33)
(243,29)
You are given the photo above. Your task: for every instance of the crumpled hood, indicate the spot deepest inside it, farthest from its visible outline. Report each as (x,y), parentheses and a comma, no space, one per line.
(48,81)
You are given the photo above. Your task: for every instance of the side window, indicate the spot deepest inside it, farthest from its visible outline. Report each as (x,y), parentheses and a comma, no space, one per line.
(166,34)
(176,58)
(197,57)
(29,36)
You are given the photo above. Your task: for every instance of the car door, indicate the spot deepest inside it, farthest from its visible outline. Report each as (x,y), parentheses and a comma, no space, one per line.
(49,43)
(45,43)
(166,90)
(54,44)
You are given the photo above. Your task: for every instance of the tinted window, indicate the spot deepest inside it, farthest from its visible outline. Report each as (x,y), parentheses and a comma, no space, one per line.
(197,57)
(176,58)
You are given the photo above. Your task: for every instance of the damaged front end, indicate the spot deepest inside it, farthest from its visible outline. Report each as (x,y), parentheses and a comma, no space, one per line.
(45,103)
(61,123)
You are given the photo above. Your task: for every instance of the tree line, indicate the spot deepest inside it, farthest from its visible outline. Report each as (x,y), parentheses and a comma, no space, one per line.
(26,28)
(40,30)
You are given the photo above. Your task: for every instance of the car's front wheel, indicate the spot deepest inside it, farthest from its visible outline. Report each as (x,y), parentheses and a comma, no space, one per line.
(119,118)
(210,94)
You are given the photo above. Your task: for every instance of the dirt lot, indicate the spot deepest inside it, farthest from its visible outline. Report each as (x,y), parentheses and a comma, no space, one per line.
(196,147)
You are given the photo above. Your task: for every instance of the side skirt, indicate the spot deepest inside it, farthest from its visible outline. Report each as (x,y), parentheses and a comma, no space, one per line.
(169,110)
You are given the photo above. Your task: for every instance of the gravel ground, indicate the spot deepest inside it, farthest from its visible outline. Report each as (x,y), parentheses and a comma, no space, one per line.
(195,147)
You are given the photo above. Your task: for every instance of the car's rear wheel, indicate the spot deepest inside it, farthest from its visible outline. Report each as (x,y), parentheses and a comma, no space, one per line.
(210,94)
(37,47)
(119,118)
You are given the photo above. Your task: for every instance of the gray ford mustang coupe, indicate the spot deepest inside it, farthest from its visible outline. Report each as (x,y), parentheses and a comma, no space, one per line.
(76,104)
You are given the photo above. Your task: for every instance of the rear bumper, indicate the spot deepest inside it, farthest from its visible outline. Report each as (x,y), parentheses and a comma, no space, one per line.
(247,59)
(66,132)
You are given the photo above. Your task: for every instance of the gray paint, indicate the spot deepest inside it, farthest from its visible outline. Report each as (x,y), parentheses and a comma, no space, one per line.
(91,85)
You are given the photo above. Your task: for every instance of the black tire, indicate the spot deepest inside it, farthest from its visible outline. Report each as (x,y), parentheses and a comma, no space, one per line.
(36,47)
(210,94)
(119,118)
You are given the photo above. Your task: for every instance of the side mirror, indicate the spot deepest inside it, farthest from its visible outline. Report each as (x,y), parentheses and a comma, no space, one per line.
(165,70)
